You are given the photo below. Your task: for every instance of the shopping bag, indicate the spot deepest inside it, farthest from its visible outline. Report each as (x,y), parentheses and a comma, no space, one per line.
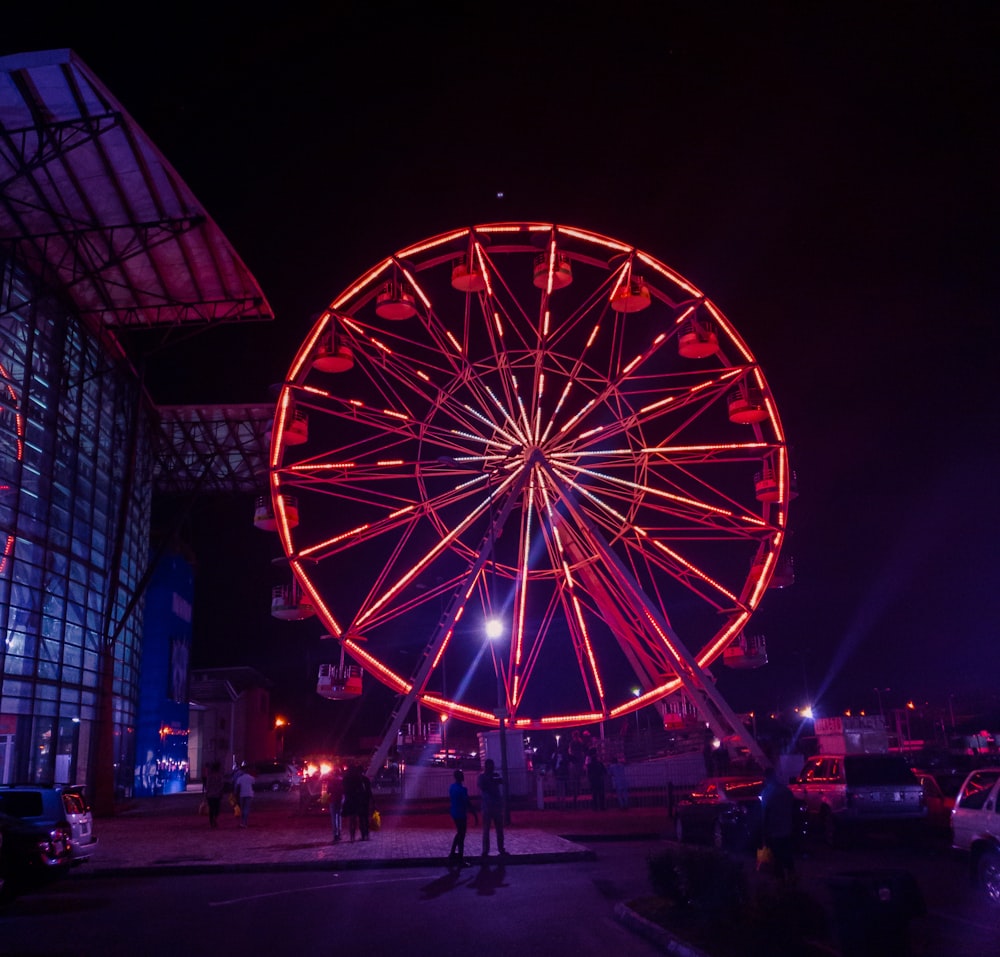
(765,857)
(203,807)
(376,821)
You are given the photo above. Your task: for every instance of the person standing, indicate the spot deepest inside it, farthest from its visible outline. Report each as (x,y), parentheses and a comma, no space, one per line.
(215,784)
(619,781)
(596,773)
(780,814)
(243,788)
(460,809)
(335,790)
(357,801)
(491,799)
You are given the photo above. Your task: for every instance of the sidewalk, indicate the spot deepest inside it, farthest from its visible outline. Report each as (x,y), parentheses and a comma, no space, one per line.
(153,834)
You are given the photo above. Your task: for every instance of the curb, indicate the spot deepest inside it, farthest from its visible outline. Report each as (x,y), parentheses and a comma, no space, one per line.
(655,934)
(193,869)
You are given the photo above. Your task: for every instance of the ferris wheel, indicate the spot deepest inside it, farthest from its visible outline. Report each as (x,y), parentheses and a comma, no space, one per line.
(539,433)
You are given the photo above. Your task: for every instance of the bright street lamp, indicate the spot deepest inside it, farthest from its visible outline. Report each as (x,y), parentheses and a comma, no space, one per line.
(494,628)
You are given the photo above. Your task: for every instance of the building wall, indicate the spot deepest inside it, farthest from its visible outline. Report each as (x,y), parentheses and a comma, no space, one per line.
(162,728)
(231,732)
(66,413)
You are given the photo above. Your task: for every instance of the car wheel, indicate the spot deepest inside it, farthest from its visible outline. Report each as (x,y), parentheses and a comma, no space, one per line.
(988,875)
(8,889)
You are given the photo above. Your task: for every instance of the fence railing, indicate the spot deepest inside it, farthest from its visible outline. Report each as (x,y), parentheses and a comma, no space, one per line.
(651,783)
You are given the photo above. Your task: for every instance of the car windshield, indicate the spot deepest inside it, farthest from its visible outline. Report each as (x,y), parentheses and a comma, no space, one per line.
(876,769)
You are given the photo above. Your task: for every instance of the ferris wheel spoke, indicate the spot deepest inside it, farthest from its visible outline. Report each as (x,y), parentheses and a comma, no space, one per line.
(619,526)
(657,499)
(595,592)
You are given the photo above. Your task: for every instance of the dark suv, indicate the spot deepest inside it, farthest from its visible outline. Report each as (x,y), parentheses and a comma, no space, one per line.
(43,832)
(844,792)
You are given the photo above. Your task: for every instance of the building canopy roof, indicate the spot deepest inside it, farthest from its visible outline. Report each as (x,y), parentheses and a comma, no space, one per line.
(92,206)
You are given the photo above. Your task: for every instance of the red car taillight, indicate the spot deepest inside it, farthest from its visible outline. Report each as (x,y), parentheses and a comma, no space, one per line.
(57,848)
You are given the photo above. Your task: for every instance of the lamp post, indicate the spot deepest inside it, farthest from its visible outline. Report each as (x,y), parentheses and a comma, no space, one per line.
(878,692)
(280,724)
(494,632)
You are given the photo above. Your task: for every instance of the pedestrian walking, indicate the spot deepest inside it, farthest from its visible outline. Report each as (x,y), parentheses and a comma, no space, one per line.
(215,784)
(243,791)
(460,808)
(491,806)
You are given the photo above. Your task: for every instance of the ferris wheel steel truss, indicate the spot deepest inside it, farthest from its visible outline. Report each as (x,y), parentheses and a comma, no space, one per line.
(542,423)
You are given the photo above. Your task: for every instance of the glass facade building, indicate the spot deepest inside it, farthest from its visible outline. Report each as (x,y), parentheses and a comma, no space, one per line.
(73,551)
(106,258)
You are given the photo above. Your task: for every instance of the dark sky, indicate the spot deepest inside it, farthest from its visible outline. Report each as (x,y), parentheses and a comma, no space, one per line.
(826,173)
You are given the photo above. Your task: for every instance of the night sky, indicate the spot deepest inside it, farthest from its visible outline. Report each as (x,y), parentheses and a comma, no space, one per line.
(826,174)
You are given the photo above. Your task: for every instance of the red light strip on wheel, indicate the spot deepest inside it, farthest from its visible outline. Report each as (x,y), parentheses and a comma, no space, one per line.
(668,273)
(593,238)
(588,647)
(624,270)
(365,280)
(697,572)
(482,265)
(416,286)
(431,243)
(548,284)
(729,330)
(307,347)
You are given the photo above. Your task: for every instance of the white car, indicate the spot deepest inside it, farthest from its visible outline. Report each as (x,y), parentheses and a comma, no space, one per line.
(975,827)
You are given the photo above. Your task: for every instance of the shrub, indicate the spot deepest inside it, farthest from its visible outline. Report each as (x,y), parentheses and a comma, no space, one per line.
(706,882)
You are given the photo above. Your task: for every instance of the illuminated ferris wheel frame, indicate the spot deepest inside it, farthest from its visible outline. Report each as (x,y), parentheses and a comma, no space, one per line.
(544,425)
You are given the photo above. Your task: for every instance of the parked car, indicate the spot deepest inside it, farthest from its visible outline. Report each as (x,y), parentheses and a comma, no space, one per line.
(843,793)
(722,811)
(975,827)
(53,806)
(275,776)
(36,836)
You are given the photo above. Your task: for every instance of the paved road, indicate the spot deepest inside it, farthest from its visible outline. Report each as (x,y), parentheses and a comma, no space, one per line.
(166,838)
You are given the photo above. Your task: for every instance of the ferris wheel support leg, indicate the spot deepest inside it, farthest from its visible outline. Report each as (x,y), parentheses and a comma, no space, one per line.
(447,622)
(695,681)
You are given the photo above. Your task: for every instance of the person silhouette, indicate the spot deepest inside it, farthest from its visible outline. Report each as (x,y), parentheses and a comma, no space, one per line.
(460,808)
(491,799)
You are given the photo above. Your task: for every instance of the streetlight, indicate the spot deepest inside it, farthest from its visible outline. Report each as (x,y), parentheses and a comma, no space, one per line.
(280,724)
(878,692)
(494,632)
(493,625)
